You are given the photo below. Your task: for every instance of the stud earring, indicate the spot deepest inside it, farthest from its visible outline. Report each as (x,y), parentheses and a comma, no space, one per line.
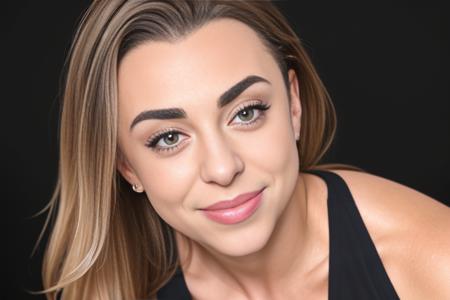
(137,188)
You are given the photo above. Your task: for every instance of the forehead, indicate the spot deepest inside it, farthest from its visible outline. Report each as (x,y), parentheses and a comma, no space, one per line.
(203,64)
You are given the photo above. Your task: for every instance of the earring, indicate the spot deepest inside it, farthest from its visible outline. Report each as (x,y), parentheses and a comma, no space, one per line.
(137,189)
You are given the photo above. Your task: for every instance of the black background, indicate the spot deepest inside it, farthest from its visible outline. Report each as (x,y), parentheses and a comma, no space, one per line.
(385,64)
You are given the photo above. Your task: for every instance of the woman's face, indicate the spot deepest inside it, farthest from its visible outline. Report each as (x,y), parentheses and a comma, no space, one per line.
(212,148)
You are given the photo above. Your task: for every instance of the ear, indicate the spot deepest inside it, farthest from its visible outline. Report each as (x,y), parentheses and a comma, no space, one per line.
(125,169)
(295,108)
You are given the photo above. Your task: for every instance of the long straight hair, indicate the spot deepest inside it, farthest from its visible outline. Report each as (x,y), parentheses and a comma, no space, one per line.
(107,242)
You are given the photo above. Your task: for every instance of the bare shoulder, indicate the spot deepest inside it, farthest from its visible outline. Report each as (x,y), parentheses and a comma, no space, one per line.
(410,230)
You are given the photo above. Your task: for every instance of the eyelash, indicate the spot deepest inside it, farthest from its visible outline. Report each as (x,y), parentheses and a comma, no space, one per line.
(260,106)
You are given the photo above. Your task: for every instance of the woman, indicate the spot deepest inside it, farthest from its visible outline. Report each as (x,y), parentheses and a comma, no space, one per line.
(191,136)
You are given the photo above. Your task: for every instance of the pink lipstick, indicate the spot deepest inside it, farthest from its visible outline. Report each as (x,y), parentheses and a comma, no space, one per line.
(235,210)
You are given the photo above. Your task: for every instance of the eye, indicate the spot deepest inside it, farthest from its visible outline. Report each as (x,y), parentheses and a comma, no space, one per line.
(247,113)
(165,141)
(169,139)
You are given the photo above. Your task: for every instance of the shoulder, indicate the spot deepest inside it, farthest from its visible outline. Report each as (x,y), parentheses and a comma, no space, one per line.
(410,230)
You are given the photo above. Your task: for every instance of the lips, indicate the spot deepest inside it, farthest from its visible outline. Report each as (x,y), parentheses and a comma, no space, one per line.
(234,202)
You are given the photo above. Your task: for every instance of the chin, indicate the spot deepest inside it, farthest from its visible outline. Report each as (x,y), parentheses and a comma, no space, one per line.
(243,242)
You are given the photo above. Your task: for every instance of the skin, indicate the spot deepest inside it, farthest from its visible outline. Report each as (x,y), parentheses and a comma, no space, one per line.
(282,250)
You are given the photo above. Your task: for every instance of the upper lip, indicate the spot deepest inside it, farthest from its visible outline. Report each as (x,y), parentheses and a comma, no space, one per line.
(233,202)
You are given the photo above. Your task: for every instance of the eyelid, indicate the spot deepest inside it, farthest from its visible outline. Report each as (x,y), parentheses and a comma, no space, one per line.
(160,134)
(233,115)
(245,105)
(154,139)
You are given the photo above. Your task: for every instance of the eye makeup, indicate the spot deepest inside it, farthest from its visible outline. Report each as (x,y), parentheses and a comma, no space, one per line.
(154,141)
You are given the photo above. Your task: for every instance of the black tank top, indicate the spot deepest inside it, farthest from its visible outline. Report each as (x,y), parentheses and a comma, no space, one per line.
(355,268)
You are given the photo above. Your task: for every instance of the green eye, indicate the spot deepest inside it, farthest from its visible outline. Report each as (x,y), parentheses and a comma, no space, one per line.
(246,114)
(170,139)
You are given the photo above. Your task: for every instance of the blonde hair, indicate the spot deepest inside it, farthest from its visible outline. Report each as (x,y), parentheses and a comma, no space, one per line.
(106,241)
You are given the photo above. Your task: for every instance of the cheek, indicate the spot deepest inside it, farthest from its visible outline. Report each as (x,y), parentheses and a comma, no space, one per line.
(167,183)
(274,150)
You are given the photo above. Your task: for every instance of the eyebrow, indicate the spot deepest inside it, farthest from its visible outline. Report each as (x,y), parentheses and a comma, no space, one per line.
(178,113)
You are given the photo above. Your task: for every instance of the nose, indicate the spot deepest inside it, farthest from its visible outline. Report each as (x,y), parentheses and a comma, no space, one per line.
(220,163)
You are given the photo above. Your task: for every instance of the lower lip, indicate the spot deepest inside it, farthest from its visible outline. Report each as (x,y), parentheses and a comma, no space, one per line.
(235,214)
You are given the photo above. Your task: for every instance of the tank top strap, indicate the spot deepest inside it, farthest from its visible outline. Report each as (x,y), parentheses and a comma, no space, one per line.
(355,267)
(176,288)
